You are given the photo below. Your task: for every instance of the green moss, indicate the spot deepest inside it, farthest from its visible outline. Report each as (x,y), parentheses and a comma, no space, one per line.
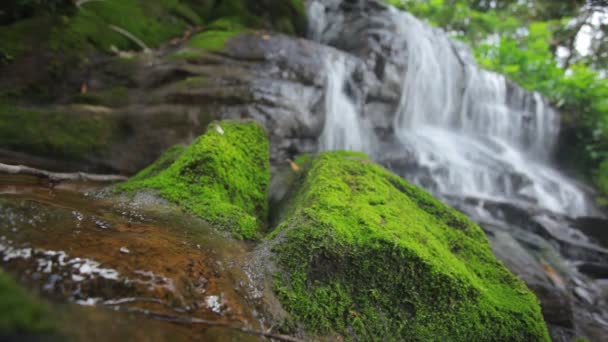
(20,313)
(369,256)
(221,177)
(213,40)
(20,37)
(290,17)
(601,180)
(56,132)
(151,21)
(68,41)
(114,97)
(237,10)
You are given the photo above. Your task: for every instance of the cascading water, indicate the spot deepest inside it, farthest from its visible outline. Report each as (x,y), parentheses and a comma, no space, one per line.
(469,131)
(343,126)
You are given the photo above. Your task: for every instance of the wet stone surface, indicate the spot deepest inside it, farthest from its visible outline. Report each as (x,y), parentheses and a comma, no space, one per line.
(557,257)
(71,247)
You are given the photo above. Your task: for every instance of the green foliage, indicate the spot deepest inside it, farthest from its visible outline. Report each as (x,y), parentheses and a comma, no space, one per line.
(215,37)
(369,256)
(21,314)
(13,10)
(222,176)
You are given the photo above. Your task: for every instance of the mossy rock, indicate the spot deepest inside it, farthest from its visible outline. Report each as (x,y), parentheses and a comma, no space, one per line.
(217,35)
(113,97)
(152,21)
(21,314)
(71,38)
(68,133)
(222,177)
(366,255)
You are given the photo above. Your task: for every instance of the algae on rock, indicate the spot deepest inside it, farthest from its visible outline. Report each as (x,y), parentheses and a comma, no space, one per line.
(21,315)
(72,39)
(45,131)
(366,255)
(222,177)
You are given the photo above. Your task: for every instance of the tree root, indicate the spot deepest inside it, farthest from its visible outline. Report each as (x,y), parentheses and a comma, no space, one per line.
(59,176)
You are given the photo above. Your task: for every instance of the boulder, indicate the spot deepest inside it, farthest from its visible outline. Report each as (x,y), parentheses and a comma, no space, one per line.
(364,254)
(222,177)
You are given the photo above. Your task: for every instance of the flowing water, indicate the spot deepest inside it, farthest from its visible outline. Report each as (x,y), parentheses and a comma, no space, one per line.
(126,265)
(468,132)
(343,128)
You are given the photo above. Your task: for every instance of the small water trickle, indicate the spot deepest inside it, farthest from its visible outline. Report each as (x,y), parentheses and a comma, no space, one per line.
(343,126)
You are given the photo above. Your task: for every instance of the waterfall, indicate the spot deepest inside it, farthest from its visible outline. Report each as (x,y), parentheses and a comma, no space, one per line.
(468,132)
(343,126)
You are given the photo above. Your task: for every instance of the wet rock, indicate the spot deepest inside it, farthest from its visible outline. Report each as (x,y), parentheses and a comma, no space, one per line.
(556,305)
(171,98)
(222,177)
(596,228)
(594,270)
(175,262)
(562,265)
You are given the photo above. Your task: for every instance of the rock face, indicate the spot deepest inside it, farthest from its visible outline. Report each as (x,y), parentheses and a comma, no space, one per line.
(142,106)
(222,177)
(122,106)
(557,257)
(365,254)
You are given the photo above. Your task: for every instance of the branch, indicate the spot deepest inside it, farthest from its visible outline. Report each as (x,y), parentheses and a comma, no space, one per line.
(572,39)
(58,176)
(130,36)
(192,320)
(79,3)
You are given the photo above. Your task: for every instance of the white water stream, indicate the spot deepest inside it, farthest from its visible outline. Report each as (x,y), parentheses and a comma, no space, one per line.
(470,131)
(343,126)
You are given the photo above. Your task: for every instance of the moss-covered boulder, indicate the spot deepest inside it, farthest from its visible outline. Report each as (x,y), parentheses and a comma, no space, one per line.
(60,132)
(22,315)
(364,254)
(222,177)
(47,47)
(101,25)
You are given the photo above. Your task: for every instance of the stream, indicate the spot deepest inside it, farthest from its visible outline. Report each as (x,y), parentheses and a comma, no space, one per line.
(120,265)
